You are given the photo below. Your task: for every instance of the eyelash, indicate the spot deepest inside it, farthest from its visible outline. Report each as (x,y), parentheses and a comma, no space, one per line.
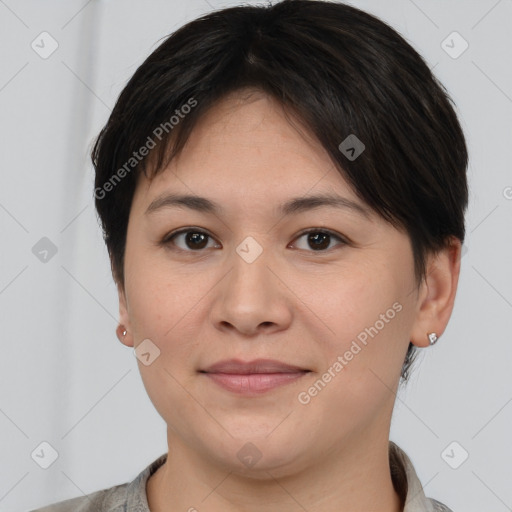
(168,239)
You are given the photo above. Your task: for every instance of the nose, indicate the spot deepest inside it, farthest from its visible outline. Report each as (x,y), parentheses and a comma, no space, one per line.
(252,298)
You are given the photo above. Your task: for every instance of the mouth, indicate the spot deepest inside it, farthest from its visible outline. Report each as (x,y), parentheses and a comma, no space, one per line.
(253,377)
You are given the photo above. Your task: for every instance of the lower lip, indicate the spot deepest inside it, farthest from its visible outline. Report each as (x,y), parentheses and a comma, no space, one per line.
(254,383)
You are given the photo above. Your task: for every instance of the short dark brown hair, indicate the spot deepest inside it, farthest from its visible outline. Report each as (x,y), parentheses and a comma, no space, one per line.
(337,69)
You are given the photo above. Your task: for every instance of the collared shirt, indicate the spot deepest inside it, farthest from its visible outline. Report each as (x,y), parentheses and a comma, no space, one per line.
(132,497)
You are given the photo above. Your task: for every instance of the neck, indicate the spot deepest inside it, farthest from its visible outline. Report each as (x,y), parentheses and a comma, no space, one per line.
(356,478)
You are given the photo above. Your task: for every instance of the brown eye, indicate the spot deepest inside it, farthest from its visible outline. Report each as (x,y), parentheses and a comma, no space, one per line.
(191,239)
(319,240)
(195,240)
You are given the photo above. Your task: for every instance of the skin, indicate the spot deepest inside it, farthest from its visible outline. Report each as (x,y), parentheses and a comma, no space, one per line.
(294,303)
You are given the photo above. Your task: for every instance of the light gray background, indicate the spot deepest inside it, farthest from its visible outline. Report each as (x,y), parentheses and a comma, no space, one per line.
(66,379)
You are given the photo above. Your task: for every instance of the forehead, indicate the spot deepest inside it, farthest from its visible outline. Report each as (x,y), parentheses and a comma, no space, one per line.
(248,147)
(252,121)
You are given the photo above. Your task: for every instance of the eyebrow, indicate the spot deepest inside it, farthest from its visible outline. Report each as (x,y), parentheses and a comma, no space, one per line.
(292,206)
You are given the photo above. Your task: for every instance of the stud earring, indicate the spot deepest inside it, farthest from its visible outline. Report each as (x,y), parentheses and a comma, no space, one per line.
(432,338)
(121,332)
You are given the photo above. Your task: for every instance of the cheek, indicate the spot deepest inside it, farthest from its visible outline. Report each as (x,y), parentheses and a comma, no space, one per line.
(368,316)
(161,309)
(160,294)
(352,300)
(362,361)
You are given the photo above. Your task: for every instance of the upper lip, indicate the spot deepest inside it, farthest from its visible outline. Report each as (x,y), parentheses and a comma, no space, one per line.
(236,366)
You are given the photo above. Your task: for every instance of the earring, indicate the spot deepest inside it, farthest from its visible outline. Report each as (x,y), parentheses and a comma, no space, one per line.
(432,337)
(121,332)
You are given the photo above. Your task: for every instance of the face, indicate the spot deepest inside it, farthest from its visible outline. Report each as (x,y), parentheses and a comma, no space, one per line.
(333,308)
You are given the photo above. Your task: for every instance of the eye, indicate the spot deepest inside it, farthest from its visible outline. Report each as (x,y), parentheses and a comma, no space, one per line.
(194,239)
(319,239)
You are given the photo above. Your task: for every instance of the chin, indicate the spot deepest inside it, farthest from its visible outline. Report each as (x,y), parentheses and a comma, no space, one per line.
(269,454)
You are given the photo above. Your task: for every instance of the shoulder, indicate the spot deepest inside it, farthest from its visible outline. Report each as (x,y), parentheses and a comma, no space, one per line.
(438,506)
(112,499)
(125,497)
(408,485)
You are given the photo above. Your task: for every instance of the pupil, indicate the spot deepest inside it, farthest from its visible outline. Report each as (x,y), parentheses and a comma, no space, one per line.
(194,238)
(316,238)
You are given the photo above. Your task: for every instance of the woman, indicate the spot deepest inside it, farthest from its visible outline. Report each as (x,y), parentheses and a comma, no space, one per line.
(282,193)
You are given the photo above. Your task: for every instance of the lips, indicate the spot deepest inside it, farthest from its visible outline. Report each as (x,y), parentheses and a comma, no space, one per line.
(253,377)
(235,366)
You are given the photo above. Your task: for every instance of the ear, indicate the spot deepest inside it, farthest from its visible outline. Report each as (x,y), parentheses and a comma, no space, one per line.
(124,319)
(437,294)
